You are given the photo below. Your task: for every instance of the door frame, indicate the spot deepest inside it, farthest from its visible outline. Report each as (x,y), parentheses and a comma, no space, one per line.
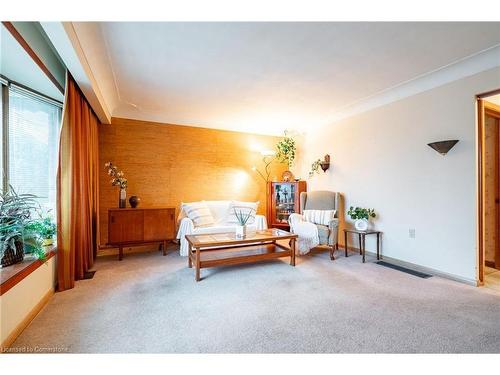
(491,109)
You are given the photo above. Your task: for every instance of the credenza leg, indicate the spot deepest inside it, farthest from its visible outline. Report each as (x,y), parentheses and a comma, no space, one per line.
(120,253)
(164,248)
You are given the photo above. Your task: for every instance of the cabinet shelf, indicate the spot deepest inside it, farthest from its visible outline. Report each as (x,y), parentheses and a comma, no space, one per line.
(278,212)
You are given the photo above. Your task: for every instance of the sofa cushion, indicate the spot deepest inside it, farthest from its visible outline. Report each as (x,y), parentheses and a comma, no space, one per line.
(219,210)
(322,217)
(244,207)
(199,213)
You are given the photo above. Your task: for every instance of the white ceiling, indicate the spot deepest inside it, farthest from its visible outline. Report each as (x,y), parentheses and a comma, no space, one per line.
(264,77)
(18,66)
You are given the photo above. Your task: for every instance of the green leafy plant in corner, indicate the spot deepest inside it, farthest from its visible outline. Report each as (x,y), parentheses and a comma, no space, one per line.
(315,168)
(242,217)
(286,149)
(361,213)
(44,226)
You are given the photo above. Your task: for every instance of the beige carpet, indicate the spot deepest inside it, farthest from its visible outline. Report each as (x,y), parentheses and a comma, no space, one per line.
(150,303)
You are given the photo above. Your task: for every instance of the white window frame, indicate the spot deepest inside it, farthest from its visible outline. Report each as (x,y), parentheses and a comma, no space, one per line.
(5,85)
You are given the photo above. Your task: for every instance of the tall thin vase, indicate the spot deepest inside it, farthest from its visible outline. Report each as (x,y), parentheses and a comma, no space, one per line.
(122,203)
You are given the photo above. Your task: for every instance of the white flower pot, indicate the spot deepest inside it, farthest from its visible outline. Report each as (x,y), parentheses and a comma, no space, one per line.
(362,224)
(48,242)
(241,231)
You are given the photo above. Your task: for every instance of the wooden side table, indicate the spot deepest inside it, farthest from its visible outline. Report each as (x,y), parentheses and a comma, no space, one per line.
(362,235)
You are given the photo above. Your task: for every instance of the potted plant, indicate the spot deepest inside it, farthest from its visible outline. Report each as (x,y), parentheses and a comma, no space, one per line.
(242,217)
(286,149)
(16,234)
(315,168)
(320,164)
(118,179)
(45,228)
(361,216)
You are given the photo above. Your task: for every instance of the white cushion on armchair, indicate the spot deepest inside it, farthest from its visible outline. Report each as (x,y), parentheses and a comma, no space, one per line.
(220,212)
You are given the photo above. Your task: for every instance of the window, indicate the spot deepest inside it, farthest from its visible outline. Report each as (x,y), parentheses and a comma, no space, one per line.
(30,150)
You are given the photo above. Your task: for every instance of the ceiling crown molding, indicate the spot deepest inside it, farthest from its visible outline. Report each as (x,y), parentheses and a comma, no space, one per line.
(465,67)
(64,39)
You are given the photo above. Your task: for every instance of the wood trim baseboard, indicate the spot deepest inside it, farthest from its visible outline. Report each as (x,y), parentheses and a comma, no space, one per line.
(26,321)
(489,263)
(31,267)
(417,267)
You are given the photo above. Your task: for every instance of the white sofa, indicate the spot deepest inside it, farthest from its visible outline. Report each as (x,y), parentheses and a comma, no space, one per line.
(220,212)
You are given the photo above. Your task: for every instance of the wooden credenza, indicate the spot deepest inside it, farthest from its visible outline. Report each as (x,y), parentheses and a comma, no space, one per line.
(137,226)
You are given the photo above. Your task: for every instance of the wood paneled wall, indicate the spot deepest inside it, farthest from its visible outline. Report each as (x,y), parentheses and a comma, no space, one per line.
(168,164)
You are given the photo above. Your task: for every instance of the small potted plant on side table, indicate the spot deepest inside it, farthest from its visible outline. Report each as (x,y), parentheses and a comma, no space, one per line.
(361,217)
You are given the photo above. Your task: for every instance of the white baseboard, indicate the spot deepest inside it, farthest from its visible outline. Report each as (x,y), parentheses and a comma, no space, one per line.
(416,267)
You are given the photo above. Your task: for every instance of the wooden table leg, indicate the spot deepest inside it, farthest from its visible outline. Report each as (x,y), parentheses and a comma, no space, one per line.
(360,246)
(378,246)
(292,252)
(363,246)
(197,272)
(190,259)
(120,253)
(345,243)
(164,248)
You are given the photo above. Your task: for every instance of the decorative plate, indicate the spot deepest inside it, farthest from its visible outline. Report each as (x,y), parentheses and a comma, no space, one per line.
(287,176)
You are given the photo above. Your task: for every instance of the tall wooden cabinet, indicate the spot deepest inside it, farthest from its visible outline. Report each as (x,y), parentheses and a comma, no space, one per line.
(137,226)
(283,199)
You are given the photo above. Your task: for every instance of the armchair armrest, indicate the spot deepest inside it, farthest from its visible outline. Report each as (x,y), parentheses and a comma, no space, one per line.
(294,219)
(333,226)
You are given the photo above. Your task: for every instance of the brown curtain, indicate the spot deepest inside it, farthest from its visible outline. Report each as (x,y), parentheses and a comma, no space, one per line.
(77,188)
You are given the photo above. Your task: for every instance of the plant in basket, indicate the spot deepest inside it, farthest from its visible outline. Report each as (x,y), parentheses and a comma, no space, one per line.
(17,235)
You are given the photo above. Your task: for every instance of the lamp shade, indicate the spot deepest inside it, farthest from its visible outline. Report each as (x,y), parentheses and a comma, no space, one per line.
(443,146)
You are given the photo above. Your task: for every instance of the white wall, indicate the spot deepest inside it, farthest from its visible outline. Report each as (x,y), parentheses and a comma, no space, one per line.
(17,303)
(380,159)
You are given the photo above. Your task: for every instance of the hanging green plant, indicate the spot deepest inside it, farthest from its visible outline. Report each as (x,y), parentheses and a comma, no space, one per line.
(315,168)
(286,149)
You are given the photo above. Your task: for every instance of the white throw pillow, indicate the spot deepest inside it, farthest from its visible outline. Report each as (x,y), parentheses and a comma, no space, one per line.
(322,217)
(199,213)
(244,207)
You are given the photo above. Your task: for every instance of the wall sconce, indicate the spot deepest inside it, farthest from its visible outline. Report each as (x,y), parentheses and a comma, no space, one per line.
(443,146)
(325,164)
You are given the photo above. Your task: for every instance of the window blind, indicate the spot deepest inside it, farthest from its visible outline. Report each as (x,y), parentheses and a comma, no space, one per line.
(33,146)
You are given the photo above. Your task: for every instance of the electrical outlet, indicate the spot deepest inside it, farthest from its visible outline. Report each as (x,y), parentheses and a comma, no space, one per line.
(411,232)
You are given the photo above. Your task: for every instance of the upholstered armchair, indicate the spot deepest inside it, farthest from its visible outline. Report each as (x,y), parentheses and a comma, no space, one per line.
(328,229)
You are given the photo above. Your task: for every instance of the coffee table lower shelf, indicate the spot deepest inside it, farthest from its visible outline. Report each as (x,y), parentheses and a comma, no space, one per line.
(232,255)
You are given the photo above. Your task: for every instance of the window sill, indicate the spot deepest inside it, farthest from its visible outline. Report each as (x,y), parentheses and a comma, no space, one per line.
(12,275)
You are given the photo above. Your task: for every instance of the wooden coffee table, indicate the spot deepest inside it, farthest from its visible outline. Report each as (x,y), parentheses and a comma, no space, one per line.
(224,249)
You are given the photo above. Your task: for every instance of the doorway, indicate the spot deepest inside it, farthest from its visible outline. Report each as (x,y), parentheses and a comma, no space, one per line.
(489,190)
